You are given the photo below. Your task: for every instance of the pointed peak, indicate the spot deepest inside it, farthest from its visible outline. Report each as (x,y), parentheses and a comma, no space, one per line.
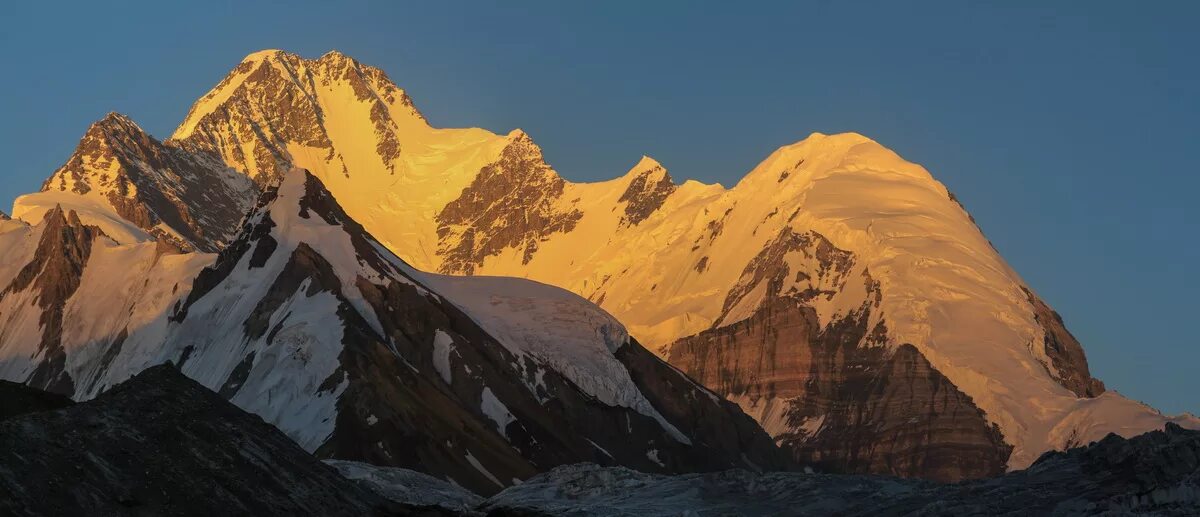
(299,191)
(520,144)
(297,178)
(649,187)
(4,216)
(518,134)
(335,55)
(115,117)
(113,126)
(54,213)
(646,164)
(58,213)
(264,55)
(117,120)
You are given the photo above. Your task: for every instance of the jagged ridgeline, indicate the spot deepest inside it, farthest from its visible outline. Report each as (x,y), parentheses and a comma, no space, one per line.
(306,320)
(838,294)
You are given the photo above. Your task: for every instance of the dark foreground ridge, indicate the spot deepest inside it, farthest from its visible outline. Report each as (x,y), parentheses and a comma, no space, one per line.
(161,444)
(1157,473)
(19,399)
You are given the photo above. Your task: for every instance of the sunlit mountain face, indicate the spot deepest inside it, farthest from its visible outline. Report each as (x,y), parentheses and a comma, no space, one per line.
(392,295)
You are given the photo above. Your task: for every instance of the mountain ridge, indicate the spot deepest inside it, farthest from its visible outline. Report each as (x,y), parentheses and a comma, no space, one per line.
(307,321)
(834,253)
(188,199)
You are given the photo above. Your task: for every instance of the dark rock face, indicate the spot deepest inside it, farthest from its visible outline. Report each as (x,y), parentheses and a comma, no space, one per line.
(1157,473)
(160,444)
(1069,364)
(853,405)
(719,426)
(646,193)
(850,403)
(510,204)
(19,399)
(193,194)
(54,275)
(906,419)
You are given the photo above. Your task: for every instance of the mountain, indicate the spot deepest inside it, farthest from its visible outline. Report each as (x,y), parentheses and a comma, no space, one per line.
(189,199)
(353,128)
(307,321)
(1152,474)
(160,444)
(839,293)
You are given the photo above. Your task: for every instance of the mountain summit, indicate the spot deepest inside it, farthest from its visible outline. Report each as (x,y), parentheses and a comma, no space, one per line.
(838,293)
(189,199)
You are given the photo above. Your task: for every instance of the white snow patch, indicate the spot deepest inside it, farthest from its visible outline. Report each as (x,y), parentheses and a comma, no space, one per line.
(479,466)
(496,411)
(652,454)
(443,344)
(555,328)
(601,449)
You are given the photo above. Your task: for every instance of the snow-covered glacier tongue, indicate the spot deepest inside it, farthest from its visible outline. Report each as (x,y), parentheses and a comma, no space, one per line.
(308,321)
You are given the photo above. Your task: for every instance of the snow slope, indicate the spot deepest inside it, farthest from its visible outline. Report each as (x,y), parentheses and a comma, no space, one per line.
(310,323)
(556,328)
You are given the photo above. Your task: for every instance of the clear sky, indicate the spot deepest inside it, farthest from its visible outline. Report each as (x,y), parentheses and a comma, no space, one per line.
(1069,132)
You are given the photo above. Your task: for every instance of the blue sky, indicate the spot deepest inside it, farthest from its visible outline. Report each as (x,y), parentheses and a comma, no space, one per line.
(1068,131)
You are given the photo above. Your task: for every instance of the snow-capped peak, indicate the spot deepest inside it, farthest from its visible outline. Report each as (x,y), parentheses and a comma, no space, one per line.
(518,135)
(135,187)
(265,55)
(645,164)
(336,55)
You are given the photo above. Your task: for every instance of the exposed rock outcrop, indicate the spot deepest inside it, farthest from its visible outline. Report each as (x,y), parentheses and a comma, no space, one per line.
(646,192)
(191,199)
(1069,365)
(51,278)
(513,203)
